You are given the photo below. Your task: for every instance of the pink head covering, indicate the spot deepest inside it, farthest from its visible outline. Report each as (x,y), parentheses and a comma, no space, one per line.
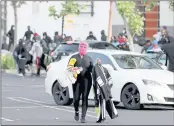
(83,47)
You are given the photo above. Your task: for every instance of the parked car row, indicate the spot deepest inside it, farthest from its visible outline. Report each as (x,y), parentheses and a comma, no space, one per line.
(67,48)
(138,80)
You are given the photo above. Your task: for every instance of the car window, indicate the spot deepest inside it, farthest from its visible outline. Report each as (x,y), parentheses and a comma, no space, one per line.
(67,47)
(162,59)
(102,46)
(104,59)
(135,62)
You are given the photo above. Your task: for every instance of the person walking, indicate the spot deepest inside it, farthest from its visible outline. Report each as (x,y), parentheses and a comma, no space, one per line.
(83,83)
(20,56)
(102,90)
(38,55)
(27,35)
(10,34)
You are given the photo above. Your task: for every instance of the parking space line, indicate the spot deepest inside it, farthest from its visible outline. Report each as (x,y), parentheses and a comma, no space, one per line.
(60,106)
(46,106)
(21,107)
(10,120)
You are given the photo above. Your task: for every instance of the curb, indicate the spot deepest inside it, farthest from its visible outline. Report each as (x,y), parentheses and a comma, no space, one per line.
(10,71)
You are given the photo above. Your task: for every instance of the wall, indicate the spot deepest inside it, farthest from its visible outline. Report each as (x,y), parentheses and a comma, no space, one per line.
(117,21)
(166,17)
(38,19)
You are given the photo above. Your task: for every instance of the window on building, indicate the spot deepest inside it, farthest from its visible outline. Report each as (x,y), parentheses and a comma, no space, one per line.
(89,7)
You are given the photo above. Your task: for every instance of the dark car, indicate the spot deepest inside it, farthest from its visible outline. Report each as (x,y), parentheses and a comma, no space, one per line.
(67,48)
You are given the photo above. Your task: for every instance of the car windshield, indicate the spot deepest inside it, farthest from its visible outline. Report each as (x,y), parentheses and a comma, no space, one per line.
(135,62)
(67,47)
(102,45)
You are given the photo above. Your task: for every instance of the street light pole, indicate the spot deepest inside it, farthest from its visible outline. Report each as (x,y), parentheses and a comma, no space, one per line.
(110,21)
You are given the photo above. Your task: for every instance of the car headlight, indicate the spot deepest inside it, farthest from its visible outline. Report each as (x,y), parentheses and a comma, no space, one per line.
(150,82)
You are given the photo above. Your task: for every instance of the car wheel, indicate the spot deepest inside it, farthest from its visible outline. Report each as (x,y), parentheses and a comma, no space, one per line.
(130,97)
(61,95)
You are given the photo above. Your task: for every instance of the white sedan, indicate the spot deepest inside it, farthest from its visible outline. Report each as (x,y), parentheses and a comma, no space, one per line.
(137,79)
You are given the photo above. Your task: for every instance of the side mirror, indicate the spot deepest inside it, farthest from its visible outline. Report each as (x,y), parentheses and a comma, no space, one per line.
(164,67)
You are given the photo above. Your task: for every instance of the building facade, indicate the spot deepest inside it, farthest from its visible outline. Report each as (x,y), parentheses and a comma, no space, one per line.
(94,18)
(154,20)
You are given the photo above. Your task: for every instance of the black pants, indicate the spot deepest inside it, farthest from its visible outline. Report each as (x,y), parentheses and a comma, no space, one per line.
(11,44)
(82,87)
(41,64)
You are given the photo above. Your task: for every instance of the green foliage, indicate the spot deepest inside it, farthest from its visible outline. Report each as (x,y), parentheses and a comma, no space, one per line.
(7,62)
(171,5)
(133,17)
(69,7)
(151,4)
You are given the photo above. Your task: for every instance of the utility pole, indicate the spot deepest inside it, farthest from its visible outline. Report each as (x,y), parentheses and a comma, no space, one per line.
(110,21)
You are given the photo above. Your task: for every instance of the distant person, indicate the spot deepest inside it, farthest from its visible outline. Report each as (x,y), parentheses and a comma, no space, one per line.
(10,34)
(158,35)
(125,32)
(103,36)
(20,56)
(46,38)
(169,50)
(37,53)
(165,38)
(56,38)
(27,35)
(164,28)
(91,36)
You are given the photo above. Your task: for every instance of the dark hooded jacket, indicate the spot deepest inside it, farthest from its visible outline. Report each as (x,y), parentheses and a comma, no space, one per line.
(47,39)
(166,40)
(20,50)
(11,34)
(169,50)
(103,36)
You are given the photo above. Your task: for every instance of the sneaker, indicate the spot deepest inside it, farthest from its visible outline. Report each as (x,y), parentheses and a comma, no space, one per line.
(20,74)
(83,120)
(76,116)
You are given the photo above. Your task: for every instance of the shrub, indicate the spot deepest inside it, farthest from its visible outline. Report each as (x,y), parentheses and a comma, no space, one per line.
(7,61)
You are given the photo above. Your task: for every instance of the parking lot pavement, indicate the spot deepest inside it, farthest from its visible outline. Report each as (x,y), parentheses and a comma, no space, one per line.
(24,102)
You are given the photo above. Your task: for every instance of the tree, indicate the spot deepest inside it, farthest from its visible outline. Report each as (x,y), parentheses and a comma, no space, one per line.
(16,4)
(151,4)
(133,19)
(69,7)
(171,5)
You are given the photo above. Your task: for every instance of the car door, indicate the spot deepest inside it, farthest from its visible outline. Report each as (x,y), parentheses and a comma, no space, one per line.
(105,61)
